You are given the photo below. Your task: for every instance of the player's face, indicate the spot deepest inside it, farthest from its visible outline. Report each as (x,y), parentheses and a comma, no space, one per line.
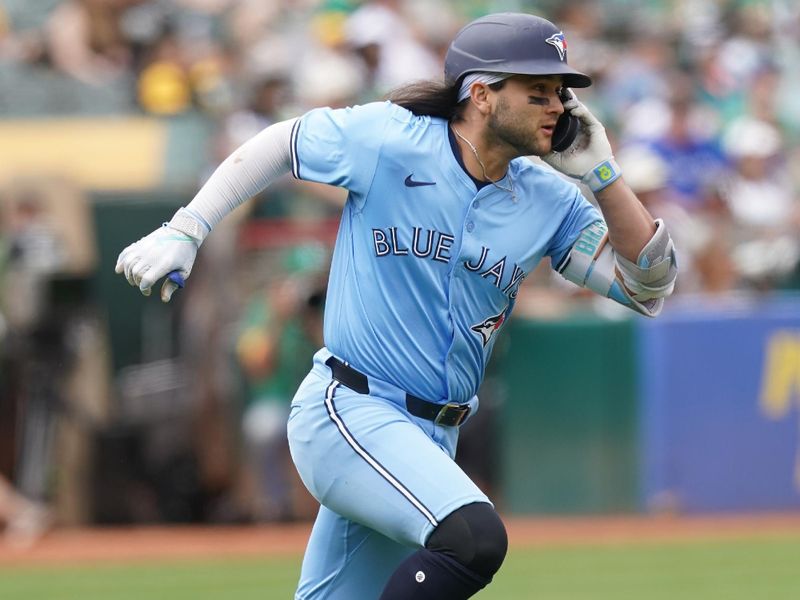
(525,112)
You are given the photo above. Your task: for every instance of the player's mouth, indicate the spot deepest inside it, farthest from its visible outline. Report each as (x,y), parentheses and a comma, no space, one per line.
(548,129)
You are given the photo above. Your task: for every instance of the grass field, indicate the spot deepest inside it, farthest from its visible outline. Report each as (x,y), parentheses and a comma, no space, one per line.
(751,568)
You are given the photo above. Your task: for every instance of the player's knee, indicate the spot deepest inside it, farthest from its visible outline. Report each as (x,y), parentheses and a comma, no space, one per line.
(473,535)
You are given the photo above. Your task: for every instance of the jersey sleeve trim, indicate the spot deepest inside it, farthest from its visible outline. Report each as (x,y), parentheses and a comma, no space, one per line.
(293,149)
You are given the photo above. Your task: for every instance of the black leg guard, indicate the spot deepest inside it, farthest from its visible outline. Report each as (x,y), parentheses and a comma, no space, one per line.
(475,536)
(427,575)
(462,555)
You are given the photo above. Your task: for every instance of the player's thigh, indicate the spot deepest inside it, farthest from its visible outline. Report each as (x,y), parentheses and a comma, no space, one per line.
(365,459)
(347,561)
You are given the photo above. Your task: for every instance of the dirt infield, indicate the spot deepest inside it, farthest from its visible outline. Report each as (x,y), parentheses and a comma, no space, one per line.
(83,546)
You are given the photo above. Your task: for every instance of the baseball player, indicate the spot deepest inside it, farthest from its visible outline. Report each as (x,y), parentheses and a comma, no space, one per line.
(444,219)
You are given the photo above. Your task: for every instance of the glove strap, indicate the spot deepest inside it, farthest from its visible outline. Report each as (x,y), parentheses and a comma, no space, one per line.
(603,175)
(185,222)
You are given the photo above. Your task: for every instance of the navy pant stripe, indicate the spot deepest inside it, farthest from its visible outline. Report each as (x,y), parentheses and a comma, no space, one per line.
(382,471)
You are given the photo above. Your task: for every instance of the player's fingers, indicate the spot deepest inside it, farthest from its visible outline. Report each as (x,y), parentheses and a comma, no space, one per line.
(149,278)
(174,281)
(122,258)
(130,264)
(585,116)
(126,254)
(167,289)
(577,109)
(571,104)
(139,272)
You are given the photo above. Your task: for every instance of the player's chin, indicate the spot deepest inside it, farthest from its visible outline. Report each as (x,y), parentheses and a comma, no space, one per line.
(533,144)
(545,139)
(539,148)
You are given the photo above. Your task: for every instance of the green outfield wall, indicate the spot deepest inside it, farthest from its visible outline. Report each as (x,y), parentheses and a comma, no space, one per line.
(568,425)
(120,219)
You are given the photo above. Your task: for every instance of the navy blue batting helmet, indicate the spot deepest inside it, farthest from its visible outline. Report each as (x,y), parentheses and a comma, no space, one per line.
(511,43)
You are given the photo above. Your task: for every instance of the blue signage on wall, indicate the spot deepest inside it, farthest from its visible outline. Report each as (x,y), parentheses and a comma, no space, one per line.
(720,395)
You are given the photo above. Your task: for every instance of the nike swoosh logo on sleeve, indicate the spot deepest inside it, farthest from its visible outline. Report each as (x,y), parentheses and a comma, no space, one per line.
(411,183)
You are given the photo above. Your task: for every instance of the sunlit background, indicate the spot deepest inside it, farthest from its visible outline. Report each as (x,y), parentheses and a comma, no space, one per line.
(118,410)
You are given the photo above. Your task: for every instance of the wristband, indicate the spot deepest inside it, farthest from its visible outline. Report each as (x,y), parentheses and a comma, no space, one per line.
(603,175)
(185,222)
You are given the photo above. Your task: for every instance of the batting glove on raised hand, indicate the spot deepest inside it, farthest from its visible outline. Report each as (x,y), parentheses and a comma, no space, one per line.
(589,158)
(171,247)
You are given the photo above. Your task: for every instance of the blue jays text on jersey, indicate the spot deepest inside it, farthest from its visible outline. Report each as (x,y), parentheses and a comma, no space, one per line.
(437,246)
(443,258)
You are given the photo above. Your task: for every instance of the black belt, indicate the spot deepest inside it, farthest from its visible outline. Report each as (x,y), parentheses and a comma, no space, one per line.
(450,414)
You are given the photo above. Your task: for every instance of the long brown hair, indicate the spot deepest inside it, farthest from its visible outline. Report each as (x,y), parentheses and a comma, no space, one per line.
(427,98)
(433,98)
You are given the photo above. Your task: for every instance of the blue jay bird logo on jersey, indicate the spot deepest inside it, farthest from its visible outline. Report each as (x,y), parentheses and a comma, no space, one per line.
(488,327)
(559,42)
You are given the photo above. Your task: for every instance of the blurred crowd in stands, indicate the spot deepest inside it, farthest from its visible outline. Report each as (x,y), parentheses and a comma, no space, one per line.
(700,97)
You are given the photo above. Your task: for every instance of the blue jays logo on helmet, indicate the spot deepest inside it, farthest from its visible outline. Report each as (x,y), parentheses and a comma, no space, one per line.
(559,42)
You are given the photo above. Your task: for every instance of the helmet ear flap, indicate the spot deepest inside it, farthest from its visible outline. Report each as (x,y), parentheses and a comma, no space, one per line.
(566,129)
(565,132)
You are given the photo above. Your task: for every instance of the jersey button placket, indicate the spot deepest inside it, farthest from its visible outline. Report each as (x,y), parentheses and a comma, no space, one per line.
(470,226)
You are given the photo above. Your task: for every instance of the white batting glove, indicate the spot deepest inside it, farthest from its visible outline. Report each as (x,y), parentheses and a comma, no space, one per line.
(171,247)
(590,157)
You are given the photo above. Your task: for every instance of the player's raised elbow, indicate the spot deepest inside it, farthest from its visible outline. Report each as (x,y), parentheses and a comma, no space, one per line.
(652,277)
(641,285)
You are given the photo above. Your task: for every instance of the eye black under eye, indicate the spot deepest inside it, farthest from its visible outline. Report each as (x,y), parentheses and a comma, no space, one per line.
(538,100)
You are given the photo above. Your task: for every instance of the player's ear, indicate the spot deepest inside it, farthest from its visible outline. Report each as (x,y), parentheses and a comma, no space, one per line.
(479,94)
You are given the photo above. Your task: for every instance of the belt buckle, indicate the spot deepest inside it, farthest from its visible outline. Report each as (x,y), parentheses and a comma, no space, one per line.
(462,410)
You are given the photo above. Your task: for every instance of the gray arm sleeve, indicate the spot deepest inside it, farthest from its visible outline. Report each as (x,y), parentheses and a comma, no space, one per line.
(251,168)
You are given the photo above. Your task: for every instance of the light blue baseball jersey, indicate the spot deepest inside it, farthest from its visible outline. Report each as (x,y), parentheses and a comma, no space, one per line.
(426,266)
